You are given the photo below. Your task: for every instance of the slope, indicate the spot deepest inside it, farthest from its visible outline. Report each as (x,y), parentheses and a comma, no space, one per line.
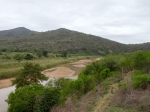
(61,40)
(20,31)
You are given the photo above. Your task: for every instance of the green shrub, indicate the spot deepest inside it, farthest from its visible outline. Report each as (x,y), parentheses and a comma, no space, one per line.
(105,73)
(122,84)
(33,98)
(18,57)
(28,57)
(141,81)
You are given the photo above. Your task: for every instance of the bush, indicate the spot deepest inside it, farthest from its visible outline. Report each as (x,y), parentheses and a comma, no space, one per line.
(18,57)
(141,81)
(33,98)
(45,53)
(28,57)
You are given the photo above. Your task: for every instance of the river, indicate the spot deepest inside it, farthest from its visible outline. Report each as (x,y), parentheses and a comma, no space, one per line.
(73,68)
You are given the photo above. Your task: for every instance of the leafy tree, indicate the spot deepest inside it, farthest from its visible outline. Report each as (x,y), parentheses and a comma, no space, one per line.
(4,50)
(45,53)
(65,54)
(47,99)
(33,98)
(141,81)
(126,64)
(31,73)
(105,73)
(18,57)
(111,62)
(22,100)
(39,54)
(28,57)
(139,59)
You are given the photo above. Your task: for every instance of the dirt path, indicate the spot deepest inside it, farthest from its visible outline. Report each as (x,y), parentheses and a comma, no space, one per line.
(105,100)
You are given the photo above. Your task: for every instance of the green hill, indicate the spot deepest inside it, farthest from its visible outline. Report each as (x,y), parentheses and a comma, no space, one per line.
(61,40)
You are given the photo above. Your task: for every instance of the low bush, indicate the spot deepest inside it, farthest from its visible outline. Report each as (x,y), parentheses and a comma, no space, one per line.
(141,81)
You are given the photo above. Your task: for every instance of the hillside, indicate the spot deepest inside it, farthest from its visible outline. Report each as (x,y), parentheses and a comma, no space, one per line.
(20,31)
(62,40)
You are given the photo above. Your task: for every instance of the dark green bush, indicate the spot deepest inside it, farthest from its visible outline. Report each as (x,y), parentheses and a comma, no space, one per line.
(33,98)
(28,57)
(141,81)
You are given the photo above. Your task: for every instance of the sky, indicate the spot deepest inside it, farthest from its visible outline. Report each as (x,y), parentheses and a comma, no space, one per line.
(124,21)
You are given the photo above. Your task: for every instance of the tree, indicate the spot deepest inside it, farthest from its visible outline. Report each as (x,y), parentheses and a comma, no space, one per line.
(28,57)
(33,98)
(65,54)
(18,57)
(45,53)
(31,73)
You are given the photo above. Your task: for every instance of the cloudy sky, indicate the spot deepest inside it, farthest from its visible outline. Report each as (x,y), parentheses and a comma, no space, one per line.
(125,21)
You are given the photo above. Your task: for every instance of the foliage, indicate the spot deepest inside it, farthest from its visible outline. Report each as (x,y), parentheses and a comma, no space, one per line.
(16,32)
(4,50)
(141,81)
(65,54)
(47,99)
(28,57)
(31,73)
(18,57)
(97,73)
(45,53)
(126,63)
(62,40)
(32,98)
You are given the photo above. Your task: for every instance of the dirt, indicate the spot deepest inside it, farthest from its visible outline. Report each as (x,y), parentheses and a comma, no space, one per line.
(85,61)
(57,72)
(80,65)
(105,100)
(5,83)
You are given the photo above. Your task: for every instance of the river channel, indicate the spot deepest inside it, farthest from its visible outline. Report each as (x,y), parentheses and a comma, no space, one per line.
(70,70)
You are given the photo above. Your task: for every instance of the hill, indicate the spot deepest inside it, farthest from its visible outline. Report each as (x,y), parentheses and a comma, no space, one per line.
(62,39)
(20,31)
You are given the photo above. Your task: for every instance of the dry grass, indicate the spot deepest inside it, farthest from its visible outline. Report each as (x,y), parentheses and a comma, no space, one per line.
(10,68)
(84,104)
(128,97)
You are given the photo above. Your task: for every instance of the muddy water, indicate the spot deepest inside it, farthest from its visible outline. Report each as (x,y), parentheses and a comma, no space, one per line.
(3,96)
(5,91)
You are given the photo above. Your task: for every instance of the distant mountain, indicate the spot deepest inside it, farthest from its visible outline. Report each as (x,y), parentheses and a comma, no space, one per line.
(62,39)
(20,31)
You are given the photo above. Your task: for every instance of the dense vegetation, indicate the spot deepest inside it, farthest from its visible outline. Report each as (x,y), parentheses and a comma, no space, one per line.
(62,40)
(63,88)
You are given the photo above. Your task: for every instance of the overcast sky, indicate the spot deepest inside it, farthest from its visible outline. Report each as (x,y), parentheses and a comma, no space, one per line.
(125,21)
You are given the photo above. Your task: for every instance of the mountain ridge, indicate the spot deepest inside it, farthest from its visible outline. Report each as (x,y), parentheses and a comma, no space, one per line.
(62,39)
(19,31)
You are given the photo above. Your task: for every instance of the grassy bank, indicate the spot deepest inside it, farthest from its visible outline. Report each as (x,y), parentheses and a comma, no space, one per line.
(10,67)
